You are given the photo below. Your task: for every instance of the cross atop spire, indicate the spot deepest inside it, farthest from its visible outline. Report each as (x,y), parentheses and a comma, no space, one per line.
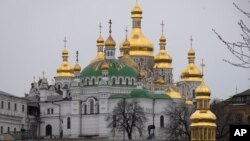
(126,30)
(77,56)
(191,41)
(65,42)
(43,74)
(100,27)
(162,26)
(202,66)
(110,23)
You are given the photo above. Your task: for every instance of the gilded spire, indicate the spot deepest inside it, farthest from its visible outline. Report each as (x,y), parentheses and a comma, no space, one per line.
(126,44)
(110,43)
(191,72)
(65,70)
(77,67)
(163,60)
(203,125)
(100,45)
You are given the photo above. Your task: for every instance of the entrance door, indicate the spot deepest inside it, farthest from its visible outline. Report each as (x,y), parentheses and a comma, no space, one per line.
(49,130)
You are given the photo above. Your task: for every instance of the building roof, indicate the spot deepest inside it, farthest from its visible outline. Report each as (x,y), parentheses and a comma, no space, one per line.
(116,68)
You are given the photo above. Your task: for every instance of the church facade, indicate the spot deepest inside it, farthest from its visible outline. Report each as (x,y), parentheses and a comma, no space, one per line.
(79,101)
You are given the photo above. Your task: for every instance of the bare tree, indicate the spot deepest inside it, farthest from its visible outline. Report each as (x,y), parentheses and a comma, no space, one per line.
(239,49)
(178,127)
(127,117)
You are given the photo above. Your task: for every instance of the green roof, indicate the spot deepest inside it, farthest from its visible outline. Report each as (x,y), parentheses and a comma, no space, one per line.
(116,68)
(244,93)
(140,93)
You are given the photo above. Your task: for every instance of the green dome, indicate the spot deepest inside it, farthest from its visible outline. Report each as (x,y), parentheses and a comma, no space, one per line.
(116,68)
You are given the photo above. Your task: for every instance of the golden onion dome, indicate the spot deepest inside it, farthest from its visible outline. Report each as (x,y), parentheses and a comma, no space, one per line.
(202,89)
(110,42)
(100,41)
(136,11)
(172,93)
(65,70)
(191,72)
(139,44)
(159,81)
(162,60)
(77,68)
(204,116)
(100,53)
(105,66)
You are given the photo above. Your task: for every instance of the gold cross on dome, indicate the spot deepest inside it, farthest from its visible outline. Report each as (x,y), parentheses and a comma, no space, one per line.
(100,27)
(77,56)
(191,41)
(110,22)
(43,74)
(162,26)
(65,41)
(126,30)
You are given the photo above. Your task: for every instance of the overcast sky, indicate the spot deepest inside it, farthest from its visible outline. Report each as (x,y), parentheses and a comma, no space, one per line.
(32,32)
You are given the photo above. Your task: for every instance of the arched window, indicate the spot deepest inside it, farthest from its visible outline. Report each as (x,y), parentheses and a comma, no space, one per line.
(91,106)
(97,108)
(162,122)
(108,53)
(193,93)
(8,105)
(59,87)
(132,82)
(68,123)
(113,81)
(85,109)
(87,82)
(100,79)
(2,104)
(93,81)
(14,130)
(120,81)
(114,120)
(126,81)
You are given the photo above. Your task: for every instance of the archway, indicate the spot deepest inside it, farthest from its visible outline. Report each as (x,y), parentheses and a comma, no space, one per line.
(49,130)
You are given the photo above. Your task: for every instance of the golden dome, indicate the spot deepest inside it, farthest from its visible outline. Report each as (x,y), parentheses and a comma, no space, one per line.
(159,81)
(77,68)
(139,44)
(105,66)
(189,102)
(163,59)
(205,116)
(65,70)
(136,11)
(110,42)
(100,41)
(191,72)
(100,53)
(202,89)
(172,93)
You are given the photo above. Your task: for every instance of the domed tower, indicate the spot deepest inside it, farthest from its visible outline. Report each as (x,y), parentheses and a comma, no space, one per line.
(100,45)
(141,48)
(163,62)
(191,77)
(65,72)
(126,57)
(203,126)
(110,45)
(77,67)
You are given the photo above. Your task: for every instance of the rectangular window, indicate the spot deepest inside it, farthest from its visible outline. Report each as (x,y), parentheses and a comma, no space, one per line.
(8,129)
(2,104)
(52,111)
(1,129)
(23,108)
(8,105)
(15,107)
(48,111)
